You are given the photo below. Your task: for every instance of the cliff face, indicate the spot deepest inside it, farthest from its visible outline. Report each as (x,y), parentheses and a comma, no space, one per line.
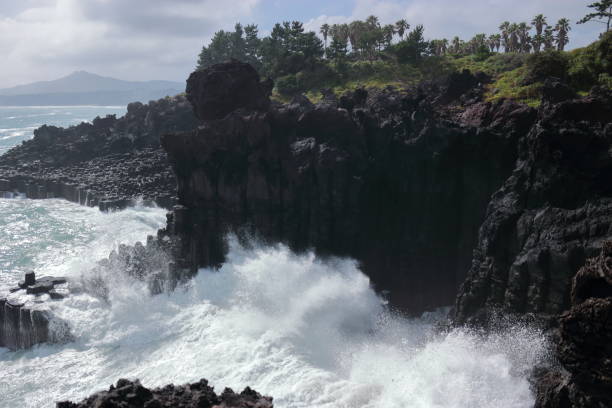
(585,341)
(553,212)
(394,180)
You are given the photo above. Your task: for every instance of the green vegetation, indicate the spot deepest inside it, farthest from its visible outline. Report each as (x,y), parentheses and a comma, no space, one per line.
(370,54)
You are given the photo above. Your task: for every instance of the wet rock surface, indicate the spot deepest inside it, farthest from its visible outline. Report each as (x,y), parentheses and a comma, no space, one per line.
(131,394)
(24,322)
(109,163)
(585,342)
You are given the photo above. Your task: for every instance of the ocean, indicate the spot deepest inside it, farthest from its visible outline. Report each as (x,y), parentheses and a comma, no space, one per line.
(17,123)
(308,332)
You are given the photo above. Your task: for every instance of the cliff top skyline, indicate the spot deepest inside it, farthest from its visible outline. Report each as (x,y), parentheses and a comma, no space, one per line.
(156,39)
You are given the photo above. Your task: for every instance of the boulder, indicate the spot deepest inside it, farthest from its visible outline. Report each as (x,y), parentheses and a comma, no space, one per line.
(223,88)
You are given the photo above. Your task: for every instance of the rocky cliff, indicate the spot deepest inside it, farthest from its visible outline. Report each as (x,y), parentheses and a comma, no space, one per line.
(107,163)
(396,180)
(553,212)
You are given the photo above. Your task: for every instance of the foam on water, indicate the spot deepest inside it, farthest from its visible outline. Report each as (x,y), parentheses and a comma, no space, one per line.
(311,334)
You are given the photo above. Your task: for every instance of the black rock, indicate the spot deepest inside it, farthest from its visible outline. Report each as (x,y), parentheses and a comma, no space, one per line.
(197,395)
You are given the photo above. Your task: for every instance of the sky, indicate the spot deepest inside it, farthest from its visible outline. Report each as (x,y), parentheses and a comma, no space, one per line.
(160,39)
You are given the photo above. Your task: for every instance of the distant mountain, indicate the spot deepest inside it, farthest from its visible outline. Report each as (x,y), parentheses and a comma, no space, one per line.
(85,88)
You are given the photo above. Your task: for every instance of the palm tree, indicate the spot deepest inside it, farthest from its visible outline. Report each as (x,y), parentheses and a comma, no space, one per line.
(539,22)
(497,38)
(562,28)
(443,46)
(524,37)
(548,39)
(513,37)
(505,35)
(491,42)
(388,31)
(401,26)
(456,45)
(325,33)
(372,21)
(536,42)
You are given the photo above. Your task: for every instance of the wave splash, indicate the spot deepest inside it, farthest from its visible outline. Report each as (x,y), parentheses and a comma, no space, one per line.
(309,333)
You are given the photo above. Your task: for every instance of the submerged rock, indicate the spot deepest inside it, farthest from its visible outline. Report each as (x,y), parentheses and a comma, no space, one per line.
(196,395)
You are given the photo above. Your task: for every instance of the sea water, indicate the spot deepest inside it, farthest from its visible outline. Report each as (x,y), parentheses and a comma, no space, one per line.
(17,123)
(307,332)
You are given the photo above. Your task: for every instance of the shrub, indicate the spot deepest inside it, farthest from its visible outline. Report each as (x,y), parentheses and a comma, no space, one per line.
(287,85)
(591,65)
(542,65)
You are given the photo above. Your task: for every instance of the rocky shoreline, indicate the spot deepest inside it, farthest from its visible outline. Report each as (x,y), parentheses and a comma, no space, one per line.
(440,196)
(128,394)
(110,163)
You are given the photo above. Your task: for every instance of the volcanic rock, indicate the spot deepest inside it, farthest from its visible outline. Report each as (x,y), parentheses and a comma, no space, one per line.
(131,394)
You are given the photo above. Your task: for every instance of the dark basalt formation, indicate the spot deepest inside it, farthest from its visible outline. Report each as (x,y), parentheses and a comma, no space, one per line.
(107,163)
(131,394)
(395,180)
(553,212)
(585,342)
(24,323)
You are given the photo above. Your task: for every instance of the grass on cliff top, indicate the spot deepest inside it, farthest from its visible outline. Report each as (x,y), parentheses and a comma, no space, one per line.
(510,85)
(518,77)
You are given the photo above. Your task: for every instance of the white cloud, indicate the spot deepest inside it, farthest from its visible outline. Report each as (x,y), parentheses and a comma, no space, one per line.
(136,39)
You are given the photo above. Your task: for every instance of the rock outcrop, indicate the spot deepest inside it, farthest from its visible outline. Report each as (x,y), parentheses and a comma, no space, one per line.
(393,179)
(552,213)
(108,163)
(585,342)
(24,318)
(131,394)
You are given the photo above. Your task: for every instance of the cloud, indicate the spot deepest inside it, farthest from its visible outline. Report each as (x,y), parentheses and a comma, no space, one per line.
(136,39)
(160,39)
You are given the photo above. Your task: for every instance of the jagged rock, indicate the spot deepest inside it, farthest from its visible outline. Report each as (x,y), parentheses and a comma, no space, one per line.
(553,212)
(585,342)
(554,90)
(224,88)
(196,395)
(109,163)
(372,181)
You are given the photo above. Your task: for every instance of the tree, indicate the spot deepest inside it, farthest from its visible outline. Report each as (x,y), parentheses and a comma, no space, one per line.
(338,48)
(562,28)
(401,26)
(602,13)
(505,34)
(252,44)
(538,22)
(524,37)
(494,42)
(388,31)
(456,45)
(413,48)
(548,39)
(514,39)
(325,33)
